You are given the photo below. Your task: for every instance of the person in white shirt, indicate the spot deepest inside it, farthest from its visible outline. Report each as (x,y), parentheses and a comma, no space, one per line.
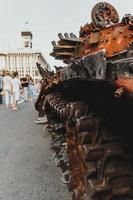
(8,89)
(16,90)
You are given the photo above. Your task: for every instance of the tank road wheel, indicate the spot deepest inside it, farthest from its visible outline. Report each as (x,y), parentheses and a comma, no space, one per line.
(104,14)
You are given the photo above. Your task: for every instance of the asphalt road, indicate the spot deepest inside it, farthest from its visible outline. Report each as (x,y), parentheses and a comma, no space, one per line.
(27,167)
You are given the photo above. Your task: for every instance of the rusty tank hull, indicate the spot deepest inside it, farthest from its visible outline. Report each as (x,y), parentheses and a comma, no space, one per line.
(89,107)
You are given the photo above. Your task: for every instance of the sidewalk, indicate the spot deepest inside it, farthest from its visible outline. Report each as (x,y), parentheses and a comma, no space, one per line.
(27,168)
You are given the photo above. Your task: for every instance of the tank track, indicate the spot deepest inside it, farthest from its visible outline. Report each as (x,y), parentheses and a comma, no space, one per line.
(94,163)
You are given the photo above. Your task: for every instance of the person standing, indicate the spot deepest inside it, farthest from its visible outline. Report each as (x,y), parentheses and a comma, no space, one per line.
(30,88)
(16,90)
(25,84)
(37,87)
(8,89)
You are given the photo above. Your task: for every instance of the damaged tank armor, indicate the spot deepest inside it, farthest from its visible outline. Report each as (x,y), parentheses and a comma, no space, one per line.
(89,105)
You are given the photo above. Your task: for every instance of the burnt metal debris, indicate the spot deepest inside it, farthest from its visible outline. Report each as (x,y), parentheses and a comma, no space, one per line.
(89,106)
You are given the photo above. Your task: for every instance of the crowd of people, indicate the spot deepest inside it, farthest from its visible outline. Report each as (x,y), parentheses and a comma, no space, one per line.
(13,89)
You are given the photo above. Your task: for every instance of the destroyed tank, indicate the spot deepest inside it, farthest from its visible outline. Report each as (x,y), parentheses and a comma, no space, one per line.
(89,106)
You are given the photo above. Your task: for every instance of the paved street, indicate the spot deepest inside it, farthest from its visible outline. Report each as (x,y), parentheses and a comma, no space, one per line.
(27,167)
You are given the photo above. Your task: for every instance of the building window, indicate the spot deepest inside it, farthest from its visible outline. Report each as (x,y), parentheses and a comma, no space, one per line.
(26,44)
(36,73)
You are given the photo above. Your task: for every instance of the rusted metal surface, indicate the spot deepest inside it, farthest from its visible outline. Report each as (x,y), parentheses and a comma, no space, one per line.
(114,39)
(126,83)
(88,104)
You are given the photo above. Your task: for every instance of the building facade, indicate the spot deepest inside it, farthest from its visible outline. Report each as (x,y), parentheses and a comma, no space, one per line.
(24,59)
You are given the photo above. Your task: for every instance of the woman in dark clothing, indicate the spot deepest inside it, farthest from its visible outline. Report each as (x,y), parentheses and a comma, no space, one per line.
(25,84)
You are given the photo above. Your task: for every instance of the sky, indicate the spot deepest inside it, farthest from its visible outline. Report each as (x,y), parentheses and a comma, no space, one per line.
(46,18)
